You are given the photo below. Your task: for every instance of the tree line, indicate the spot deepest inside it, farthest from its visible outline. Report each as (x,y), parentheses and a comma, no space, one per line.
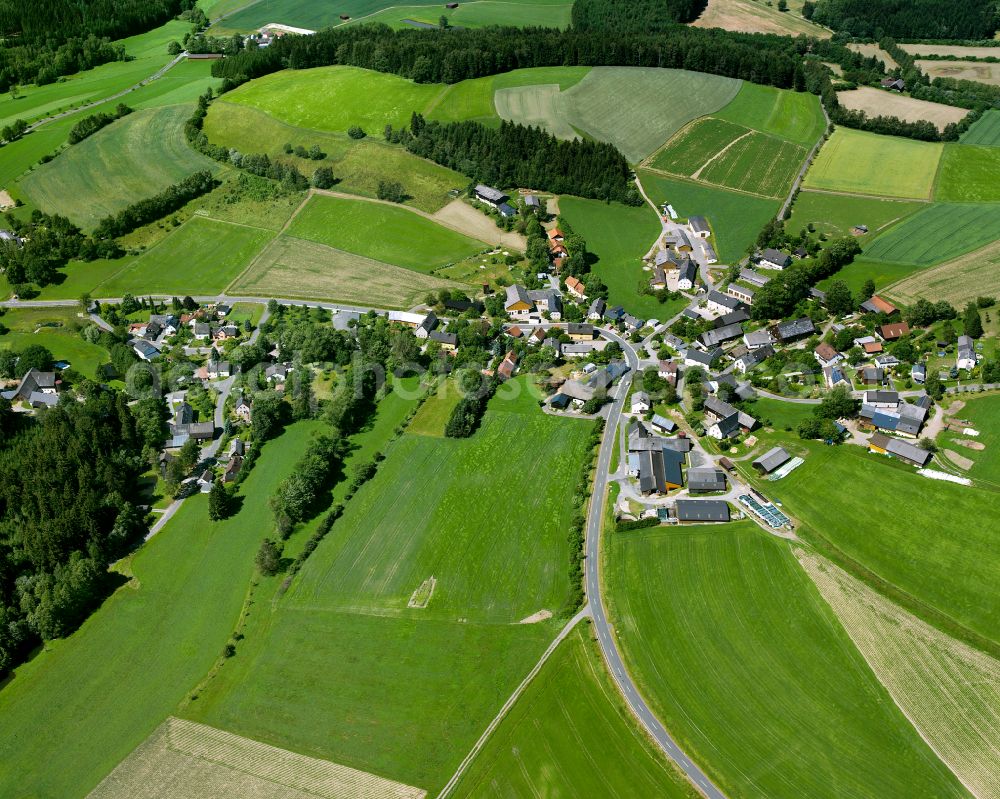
(68,488)
(88,126)
(634,16)
(907,19)
(159,205)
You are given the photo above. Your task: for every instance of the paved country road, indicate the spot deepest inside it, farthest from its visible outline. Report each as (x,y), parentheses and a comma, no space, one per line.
(605,635)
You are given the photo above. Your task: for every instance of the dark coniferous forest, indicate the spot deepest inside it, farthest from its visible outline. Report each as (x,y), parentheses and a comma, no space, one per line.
(910,19)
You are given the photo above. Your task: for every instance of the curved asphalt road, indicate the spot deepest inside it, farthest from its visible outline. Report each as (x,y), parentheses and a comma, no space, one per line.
(593,582)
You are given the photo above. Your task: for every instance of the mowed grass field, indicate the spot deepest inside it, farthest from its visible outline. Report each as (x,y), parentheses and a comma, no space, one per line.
(983,414)
(837,214)
(747,666)
(106,687)
(203,256)
(131,159)
(958,281)
(619,236)
(736,218)
(382,232)
(569,735)
(404,692)
(291,267)
(969,175)
(794,116)
(433,415)
(942,555)
(535,106)
(757,164)
(866,163)
(984,131)
(750,16)
(937,233)
(479,13)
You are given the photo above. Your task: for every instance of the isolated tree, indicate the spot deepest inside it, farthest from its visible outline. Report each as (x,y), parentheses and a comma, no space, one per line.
(268,558)
(972,323)
(174,48)
(838,404)
(218,502)
(867,289)
(323,178)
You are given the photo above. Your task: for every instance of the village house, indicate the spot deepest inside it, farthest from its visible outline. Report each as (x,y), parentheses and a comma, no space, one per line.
(796,329)
(658,281)
(201,330)
(757,339)
(517,304)
(662,424)
(218,369)
(487,195)
(753,278)
(425,327)
(720,335)
(835,376)
(965,357)
(871,375)
(668,371)
(745,363)
(720,303)
(878,305)
(640,402)
(826,355)
(699,228)
(687,275)
(893,84)
(596,310)
(894,331)
(144,349)
(918,373)
(702,479)
(580,331)
(694,357)
(242,409)
(546,301)
(38,389)
(448,341)
(742,293)
(774,259)
(277,372)
(508,366)
(575,287)
(903,450)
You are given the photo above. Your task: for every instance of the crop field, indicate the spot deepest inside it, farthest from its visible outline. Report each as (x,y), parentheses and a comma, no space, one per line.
(856,273)
(638,109)
(569,735)
(956,50)
(988,73)
(105,688)
(479,13)
(129,160)
(58,330)
(985,131)
(203,256)
(464,218)
(382,232)
(950,691)
(937,233)
(619,236)
(878,102)
(419,684)
(692,147)
(878,529)
(743,620)
(736,218)
(793,116)
(866,163)
(870,50)
(537,106)
(837,214)
(969,175)
(195,761)
(754,16)
(757,164)
(291,267)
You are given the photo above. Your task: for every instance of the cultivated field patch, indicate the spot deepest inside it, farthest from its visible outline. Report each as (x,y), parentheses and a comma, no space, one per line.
(877,102)
(292,267)
(569,735)
(983,414)
(536,106)
(461,216)
(693,146)
(975,274)
(984,131)
(478,13)
(744,620)
(874,50)
(969,174)
(380,231)
(956,50)
(866,163)
(186,759)
(202,256)
(757,164)
(793,116)
(937,233)
(950,691)
(129,160)
(753,16)
(982,72)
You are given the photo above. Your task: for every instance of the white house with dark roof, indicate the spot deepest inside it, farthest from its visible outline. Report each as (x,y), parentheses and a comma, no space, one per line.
(720,303)
(965,357)
(774,259)
(489,196)
(699,228)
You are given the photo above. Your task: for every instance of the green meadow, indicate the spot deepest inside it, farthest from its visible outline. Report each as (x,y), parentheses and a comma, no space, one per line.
(937,233)
(983,414)
(58,330)
(837,214)
(859,271)
(757,164)
(570,735)
(619,236)
(300,13)
(985,131)
(693,146)
(131,159)
(103,689)
(794,116)
(479,13)
(968,175)
(382,232)
(748,667)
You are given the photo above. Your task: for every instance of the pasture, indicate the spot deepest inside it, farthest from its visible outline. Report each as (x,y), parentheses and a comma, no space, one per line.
(300,13)
(291,267)
(938,232)
(753,16)
(950,691)
(837,214)
(433,415)
(878,529)
(569,735)
(479,13)
(619,236)
(856,273)
(56,329)
(106,687)
(536,106)
(878,102)
(80,277)
(736,218)
(380,231)
(988,73)
(744,621)
(203,256)
(866,163)
(757,164)
(968,175)
(794,116)
(637,109)
(129,160)
(985,131)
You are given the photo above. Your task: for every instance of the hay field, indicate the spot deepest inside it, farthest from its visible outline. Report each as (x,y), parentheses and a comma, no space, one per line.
(186,759)
(536,106)
(969,174)
(297,268)
(958,51)
(459,215)
(962,70)
(949,691)
(758,164)
(938,233)
(792,116)
(743,661)
(837,214)
(877,102)
(478,13)
(131,159)
(958,281)
(688,151)
(985,131)
(754,16)
(874,50)
(866,163)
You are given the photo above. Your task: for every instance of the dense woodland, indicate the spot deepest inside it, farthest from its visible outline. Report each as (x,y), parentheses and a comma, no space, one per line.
(44,39)
(634,16)
(67,493)
(908,19)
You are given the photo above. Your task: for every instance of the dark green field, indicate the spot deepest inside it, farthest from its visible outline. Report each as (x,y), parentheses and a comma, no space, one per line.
(937,233)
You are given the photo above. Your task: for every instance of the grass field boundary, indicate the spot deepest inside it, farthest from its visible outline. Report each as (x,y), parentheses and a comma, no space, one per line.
(257,257)
(706,184)
(814,190)
(511,701)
